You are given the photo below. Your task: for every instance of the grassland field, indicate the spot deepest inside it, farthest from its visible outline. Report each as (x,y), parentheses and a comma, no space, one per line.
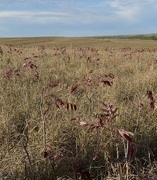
(78,108)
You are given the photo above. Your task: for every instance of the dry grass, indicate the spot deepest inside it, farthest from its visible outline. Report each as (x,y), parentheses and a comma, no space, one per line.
(75,108)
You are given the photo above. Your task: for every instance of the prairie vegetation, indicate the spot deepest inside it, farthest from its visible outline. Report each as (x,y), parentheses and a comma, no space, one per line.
(78,108)
(138,36)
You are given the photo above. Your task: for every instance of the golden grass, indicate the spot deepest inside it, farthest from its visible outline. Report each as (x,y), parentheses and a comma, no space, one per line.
(78,42)
(52,95)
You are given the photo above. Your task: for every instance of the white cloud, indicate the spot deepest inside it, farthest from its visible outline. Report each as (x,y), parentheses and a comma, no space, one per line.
(21,14)
(29,2)
(133,10)
(128,13)
(42,17)
(32,16)
(83,12)
(70,11)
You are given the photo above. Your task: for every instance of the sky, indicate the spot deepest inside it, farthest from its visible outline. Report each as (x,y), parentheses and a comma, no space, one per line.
(76,18)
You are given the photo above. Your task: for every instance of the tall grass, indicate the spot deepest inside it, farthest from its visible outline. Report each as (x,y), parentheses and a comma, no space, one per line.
(78,112)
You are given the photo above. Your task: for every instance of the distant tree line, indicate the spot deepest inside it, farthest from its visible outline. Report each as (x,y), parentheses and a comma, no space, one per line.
(141,37)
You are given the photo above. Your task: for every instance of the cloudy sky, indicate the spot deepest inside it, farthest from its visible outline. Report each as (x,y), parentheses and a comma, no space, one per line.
(20,18)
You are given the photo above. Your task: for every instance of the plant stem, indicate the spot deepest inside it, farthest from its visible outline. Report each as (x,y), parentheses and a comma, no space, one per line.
(43,120)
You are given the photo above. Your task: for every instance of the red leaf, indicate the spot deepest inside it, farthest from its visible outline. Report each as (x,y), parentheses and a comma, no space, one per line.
(59,101)
(32,66)
(127,137)
(17,72)
(46,111)
(71,105)
(57,105)
(73,119)
(126,134)
(101,121)
(67,106)
(74,88)
(75,108)
(150,95)
(111,75)
(48,152)
(107,83)
(85,175)
(95,157)
(95,127)
(54,84)
(130,150)
(152,104)
(37,75)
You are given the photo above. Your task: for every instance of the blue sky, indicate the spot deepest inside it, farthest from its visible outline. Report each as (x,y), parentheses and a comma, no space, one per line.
(24,18)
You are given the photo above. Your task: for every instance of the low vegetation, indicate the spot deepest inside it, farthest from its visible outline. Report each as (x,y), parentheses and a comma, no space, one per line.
(138,36)
(78,109)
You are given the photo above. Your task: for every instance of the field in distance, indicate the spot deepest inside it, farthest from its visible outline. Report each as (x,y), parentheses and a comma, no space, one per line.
(99,42)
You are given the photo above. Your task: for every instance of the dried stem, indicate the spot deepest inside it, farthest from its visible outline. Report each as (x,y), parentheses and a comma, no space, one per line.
(24,145)
(43,120)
